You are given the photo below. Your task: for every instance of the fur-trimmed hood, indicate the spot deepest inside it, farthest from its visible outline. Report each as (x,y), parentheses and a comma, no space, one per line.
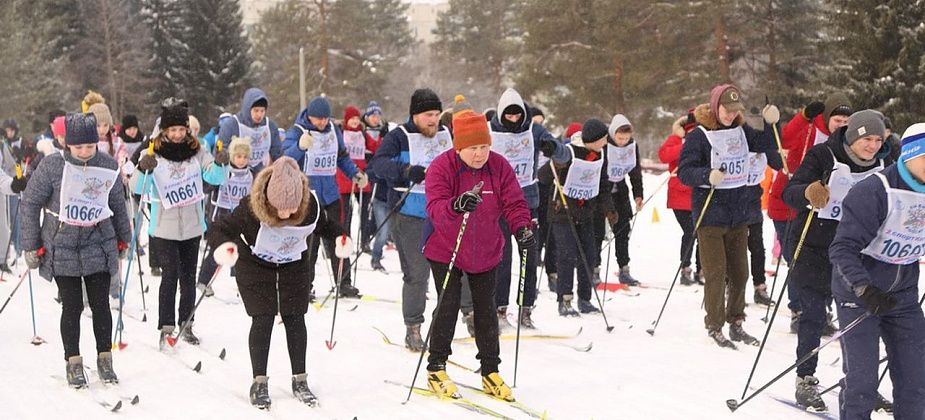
(266,213)
(706,118)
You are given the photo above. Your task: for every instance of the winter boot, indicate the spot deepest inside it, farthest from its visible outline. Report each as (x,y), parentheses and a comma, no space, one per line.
(807,395)
(75,372)
(565,306)
(829,329)
(413,339)
(720,339)
(794,322)
(503,323)
(469,319)
(166,331)
(495,386)
(156,271)
(301,392)
(883,405)
(188,335)
(585,307)
(260,393)
(698,278)
(686,279)
(104,368)
(525,320)
(205,289)
(440,384)
(348,291)
(552,281)
(311,296)
(364,247)
(376,265)
(595,276)
(761,295)
(737,333)
(626,278)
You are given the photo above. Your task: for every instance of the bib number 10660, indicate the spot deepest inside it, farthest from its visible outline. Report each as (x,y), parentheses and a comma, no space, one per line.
(82,213)
(895,249)
(182,194)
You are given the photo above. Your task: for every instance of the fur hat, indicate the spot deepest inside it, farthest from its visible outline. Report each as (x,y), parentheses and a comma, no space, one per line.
(101,112)
(284,189)
(423,100)
(240,146)
(470,129)
(174,112)
(80,129)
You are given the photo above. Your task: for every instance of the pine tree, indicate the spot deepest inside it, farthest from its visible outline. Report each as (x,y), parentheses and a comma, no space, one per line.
(163,21)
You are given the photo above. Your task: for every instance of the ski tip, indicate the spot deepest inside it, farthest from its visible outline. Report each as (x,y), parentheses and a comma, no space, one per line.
(122,345)
(222,354)
(198,367)
(116,407)
(38,341)
(135,400)
(172,341)
(732,404)
(610,328)
(651,331)
(144,318)
(330,344)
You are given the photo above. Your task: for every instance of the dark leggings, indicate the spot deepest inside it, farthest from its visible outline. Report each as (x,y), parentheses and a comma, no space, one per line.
(259,342)
(72,305)
(756,252)
(687,238)
(179,268)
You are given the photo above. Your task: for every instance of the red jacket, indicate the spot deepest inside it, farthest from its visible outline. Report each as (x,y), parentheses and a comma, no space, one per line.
(679,195)
(797,138)
(344,184)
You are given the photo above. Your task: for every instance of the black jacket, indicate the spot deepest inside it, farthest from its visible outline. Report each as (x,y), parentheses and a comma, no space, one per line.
(581,211)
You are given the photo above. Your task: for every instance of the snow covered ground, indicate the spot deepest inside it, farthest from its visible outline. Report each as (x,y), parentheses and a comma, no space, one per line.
(678,373)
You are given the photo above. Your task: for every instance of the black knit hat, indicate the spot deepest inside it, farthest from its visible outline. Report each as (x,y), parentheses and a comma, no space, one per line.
(174,112)
(593,130)
(423,100)
(80,129)
(129,121)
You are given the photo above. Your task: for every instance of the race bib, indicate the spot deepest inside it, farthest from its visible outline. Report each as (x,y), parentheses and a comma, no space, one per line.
(901,238)
(235,187)
(260,142)
(757,163)
(840,182)
(178,184)
(356,144)
(85,194)
(729,154)
(321,160)
(620,161)
(423,150)
(583,181)
(820,137)
(518,149)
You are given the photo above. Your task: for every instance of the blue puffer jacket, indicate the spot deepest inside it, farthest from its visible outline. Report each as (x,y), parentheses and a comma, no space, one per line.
(510,97)
(71,251)
(728,207)
(325,187)
(228,127)
(389,164)
(863,211)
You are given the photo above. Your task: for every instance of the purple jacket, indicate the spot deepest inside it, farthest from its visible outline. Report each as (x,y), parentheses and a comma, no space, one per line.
(447,178)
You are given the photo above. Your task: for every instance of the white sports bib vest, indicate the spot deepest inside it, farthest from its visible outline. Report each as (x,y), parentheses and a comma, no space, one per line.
(423,150)
(85,194)
(901,238)
(518,149)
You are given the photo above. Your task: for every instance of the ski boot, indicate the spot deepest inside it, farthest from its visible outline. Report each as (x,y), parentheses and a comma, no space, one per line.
(761,295)
(626,278)
(442,385)
(552,281)
(75,372)
(495,386)
(525,320)
(260,393)
(720,339)
(188,335)
(698,278)
(469,319)
(365,248)
(413,340)
(104,368)
(686,279)
(565,306)
(585,307)
(348,291)
(883,405)
(503,323)
(166,331)
(156,271)
(205,289)
(301,392)
(737,333)
(376,265)
(807,395)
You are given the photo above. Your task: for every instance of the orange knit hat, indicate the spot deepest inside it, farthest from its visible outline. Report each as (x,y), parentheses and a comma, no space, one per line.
(470,129)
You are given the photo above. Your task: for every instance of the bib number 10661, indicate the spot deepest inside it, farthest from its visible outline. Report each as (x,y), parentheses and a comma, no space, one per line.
(182,194)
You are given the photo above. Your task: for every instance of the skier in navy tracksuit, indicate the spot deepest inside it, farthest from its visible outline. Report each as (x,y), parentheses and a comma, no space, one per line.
(823,179)
(875,275)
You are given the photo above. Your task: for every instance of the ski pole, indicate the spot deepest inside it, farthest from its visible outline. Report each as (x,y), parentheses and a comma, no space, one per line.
(13,219)
(132,246)
(520,308)
(646,201)
(21,278)
(736,404)
(780,297)
(607,272)
(172,340)
(784,246)
(392,211)
(581,250)
(446,279)
(141,280)
(36,340)
(330,343)
(359,236)
(703,211)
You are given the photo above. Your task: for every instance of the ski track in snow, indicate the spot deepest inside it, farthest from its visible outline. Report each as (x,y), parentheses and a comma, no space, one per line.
(678,373)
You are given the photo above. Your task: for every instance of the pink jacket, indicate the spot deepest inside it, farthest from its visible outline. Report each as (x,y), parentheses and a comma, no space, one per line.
(480,250)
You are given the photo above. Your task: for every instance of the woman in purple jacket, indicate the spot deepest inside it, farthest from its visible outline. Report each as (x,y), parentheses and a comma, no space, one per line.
(450,194)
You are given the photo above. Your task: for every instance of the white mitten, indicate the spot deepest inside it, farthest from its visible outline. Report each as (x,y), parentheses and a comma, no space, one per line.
(306,141)
(342,246)
(226,254)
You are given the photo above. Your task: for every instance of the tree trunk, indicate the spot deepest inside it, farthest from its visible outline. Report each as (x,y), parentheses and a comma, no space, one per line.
(106,18)
(619,99)
(324,47)
(772,46)
(722,47)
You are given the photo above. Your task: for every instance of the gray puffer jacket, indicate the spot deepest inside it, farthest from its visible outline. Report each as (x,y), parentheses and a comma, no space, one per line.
(71,251)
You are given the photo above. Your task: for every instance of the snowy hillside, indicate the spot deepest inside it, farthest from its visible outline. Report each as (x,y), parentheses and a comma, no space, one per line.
(677,374)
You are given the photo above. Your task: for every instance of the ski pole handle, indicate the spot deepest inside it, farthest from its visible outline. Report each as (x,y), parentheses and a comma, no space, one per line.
(151,148)
(18,171)
(218,145)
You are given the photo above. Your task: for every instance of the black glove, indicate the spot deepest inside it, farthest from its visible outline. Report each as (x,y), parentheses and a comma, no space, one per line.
(19,184)
(466,202)
(222,158)
(525,237)
(547,148)
(813,110)
(415,173)
(876,301)
(383,130)
(147,163)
